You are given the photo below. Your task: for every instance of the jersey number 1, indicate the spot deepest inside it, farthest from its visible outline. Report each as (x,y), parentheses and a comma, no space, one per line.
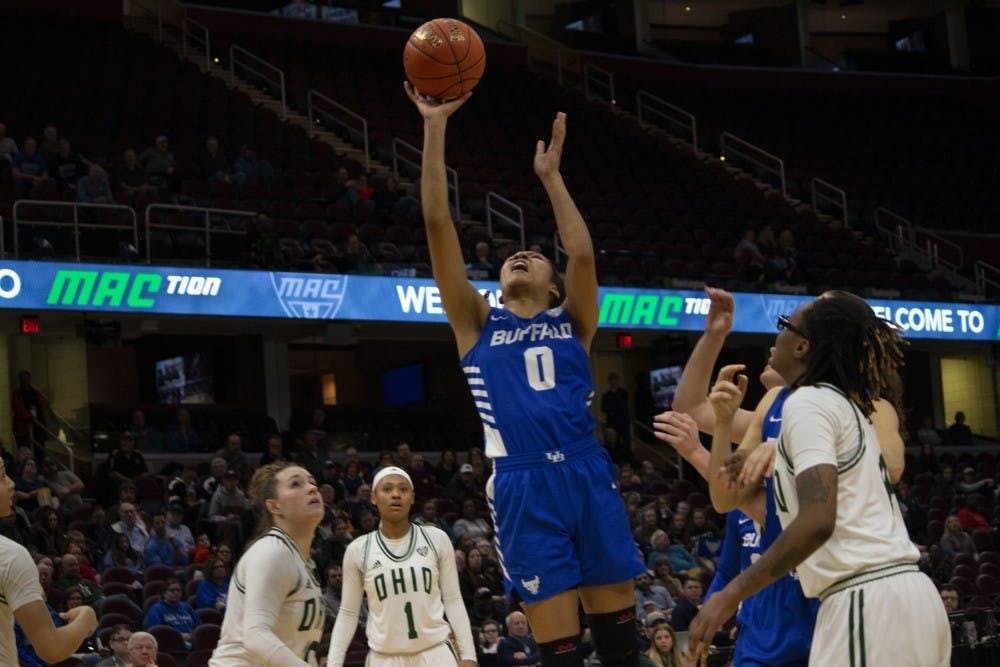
(540,366)
(409,620)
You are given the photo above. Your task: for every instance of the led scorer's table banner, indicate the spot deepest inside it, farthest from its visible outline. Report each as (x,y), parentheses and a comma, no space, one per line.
(35,286)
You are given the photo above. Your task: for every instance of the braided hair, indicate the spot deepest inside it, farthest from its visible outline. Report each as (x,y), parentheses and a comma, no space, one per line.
(852,349)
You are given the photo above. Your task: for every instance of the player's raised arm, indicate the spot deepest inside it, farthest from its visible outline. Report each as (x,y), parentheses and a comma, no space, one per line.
(581,270)
(886,423)
(465,308)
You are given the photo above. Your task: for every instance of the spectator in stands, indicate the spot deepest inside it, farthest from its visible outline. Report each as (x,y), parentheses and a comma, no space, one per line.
(217,470)
(959,432)
(202,549)
(45,578)
(447,467)
(173,611)
(50,142)
(29,409)
(310,456)
(118,640)
(28,166)
(159,164)
(648,525)
(927,434)
(482,266)
(227,505)
(664,651)
(125,464)
(784,265)
(69,576)
(65,485)
(968,483)
(944,483)
(131,178)
(8,147)
(518,647)
(463,485)
(663,575)
(234,456)
(488,646)
(183,437)
(471,524)
(429,517)
(213,164)
(614,406)
(249,169)
(950,598)
(121,554)
(678,531)
(31,491)
(914,515)
(132,527)
(142,649)
(275,451)
(649,475)
(954,540)
(750,261)
(213,589)
(687,607)
(351,480)
(178,530)
(161,547)
(936,564)
(355,256)
(474,577)
(94,188)
(646,591)
(47,533)
(76,544)
(65,167)
(970,517)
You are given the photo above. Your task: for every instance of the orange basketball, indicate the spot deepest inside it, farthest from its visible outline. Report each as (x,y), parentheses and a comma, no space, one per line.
(444,58)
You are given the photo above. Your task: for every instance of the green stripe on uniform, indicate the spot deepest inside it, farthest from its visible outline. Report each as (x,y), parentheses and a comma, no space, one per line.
(850,629)
(452,649)
(861,627)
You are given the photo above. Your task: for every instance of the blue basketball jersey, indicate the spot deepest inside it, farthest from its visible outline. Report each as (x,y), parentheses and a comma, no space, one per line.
(531,382)
(778,621)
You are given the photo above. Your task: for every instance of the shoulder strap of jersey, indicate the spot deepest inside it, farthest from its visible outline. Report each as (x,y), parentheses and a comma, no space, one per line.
(364,556)
(427,539)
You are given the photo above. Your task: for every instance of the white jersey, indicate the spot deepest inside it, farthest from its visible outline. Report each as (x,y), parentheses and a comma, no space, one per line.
(411,584)
(274,610)
(822,426)
(19,586)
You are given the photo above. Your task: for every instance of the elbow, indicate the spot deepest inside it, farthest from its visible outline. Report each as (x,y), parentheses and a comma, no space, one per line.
(895,474)
(822,530)
(721,502)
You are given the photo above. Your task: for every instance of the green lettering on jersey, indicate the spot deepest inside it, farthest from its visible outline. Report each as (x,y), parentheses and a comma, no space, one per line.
(380,590)
(428,579)
(398,582)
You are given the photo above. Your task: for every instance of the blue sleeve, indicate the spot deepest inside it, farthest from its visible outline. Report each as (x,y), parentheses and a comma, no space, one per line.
(729,558)
(206,595)
(193,619)
(153,617)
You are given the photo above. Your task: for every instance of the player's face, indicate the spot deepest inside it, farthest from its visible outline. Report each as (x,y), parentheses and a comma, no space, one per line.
(394,498)
(526,269)
(788,356)
(6,491)
(298,497)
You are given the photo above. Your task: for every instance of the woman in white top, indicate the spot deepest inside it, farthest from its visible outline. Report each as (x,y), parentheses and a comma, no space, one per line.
(408,573)
(22,599)
(274,613)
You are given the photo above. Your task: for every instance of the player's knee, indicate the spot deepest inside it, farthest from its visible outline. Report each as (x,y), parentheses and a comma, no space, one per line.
(561,653)
(615,638)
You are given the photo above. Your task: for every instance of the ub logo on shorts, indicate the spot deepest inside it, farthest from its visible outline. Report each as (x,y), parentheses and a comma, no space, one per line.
(310,298)
(532,585)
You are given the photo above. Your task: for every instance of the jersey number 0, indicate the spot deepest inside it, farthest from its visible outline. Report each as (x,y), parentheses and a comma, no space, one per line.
(540,366)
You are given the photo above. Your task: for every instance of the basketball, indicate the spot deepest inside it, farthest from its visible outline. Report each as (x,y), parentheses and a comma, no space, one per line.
(444,58)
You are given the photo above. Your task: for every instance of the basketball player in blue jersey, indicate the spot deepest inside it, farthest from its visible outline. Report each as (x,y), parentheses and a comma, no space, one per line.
(562,534)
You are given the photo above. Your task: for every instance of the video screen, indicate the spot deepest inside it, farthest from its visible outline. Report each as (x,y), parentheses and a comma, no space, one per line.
(186,379)
(663,384)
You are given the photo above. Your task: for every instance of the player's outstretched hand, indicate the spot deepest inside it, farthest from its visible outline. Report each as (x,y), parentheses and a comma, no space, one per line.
(82,615)
(759,464)
(720,312)
(719,609)
(727,394)
(678,429)
(432,109)
(547,159)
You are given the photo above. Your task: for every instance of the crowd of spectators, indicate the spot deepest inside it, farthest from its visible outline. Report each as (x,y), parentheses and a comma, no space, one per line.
(761,256)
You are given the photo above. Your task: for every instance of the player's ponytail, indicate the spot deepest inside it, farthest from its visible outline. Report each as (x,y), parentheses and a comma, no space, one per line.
(264,487)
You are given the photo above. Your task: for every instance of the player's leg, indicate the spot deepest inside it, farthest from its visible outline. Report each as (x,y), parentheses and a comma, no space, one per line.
(555,623)
(609,561)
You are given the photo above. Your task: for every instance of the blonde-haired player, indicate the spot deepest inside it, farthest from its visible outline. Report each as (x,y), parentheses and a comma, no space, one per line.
(408,573)
(22,599)
(275,613)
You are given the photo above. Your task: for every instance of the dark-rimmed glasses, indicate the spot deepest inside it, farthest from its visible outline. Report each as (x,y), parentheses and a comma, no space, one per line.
(785,322)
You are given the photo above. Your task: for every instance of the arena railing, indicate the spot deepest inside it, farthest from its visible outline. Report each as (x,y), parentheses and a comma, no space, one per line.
(946,252)
(567,61)
(414,163)
(757,157)
(649,107)
(675,461)
(164,18)
(75,225)
(261,69)
(986,274)
(315,101)
(598,83)
(826,193)
(196,34)
(899,233)
(206,228)
(492,211)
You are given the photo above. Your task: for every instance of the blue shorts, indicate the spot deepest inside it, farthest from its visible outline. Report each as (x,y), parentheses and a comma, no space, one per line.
(560,522)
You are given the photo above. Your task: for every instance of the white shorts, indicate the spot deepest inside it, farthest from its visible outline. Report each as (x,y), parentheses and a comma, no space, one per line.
(442,655)
(888,616)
